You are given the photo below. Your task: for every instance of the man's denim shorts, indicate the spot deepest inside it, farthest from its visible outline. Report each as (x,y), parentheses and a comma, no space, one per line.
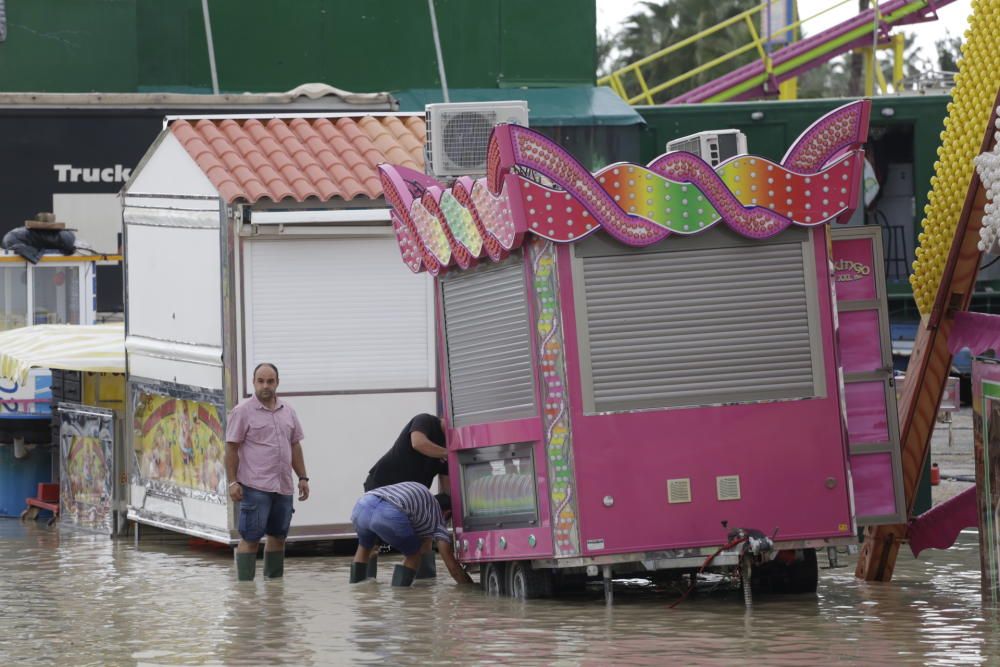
(263,513)
(377,519)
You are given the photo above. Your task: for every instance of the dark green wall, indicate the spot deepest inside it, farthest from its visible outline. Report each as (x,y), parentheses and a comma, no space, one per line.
(69,46)
(269,45)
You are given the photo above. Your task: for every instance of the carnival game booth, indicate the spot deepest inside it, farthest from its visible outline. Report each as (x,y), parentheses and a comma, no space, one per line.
(50,289)
(267,239)
(86,365)
(640,366)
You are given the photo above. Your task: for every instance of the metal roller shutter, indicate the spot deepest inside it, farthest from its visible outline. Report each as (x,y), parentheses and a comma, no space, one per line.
(697,326)
(337,315)
(488,343)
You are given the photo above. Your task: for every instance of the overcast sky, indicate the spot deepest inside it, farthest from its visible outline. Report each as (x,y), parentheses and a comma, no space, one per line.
(952,18)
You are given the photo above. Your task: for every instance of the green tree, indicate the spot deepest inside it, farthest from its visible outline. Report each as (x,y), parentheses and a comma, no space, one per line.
(949,50)
(830,79)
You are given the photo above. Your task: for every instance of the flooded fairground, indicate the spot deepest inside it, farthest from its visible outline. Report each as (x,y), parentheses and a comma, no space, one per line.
(78,599)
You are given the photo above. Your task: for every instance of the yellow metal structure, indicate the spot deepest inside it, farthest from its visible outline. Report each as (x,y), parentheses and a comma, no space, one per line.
(618,79)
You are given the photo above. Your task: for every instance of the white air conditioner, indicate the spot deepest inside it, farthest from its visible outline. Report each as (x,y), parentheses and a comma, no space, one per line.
(712,147)
(458,133)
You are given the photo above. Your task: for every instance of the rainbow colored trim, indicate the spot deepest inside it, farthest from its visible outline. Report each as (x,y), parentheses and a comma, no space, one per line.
(534,186)
(555,398)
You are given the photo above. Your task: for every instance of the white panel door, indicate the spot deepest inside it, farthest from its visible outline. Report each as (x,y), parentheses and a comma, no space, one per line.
(174,284)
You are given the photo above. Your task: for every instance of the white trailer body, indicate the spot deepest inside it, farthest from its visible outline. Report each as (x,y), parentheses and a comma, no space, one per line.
(215,286)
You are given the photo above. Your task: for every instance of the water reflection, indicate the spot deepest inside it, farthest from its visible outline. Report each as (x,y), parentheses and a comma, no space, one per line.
(77,599)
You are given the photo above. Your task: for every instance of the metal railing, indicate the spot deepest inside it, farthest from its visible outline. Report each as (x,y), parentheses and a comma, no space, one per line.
(618,79)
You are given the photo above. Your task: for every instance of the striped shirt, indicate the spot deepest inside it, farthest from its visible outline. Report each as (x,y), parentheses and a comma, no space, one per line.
(419,505)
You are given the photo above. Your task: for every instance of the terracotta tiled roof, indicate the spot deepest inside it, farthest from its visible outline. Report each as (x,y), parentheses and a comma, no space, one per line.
(301,158)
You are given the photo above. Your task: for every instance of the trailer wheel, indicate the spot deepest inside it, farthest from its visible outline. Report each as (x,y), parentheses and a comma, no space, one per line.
(493,579)
(804,574)
(526,583)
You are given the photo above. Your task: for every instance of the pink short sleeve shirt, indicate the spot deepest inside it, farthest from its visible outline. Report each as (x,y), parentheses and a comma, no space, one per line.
(265,438)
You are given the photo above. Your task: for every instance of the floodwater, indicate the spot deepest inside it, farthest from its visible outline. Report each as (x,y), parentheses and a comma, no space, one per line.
(77,599)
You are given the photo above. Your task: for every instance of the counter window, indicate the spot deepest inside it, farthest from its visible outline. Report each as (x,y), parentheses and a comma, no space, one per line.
(13,297)
(57,294)
(498,487)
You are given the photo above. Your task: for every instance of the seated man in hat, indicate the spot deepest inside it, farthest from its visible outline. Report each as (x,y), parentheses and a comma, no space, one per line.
(407,517)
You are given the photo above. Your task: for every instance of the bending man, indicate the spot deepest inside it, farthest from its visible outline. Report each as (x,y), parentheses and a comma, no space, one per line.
(408,518)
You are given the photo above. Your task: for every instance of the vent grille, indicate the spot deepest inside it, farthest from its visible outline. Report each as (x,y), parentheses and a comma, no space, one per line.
(728,487)
(679,490)
(458,134)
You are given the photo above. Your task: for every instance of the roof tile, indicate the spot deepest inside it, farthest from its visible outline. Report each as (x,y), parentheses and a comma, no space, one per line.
(302,157)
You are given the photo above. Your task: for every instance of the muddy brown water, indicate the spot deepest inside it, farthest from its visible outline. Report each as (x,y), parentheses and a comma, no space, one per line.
(75,599)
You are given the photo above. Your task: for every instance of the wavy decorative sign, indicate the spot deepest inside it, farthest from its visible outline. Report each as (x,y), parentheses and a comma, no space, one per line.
(532,186)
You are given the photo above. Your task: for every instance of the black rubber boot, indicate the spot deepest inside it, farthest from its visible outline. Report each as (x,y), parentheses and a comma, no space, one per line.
(428,566)
(358,572)
(274,564)
(403,576)
(246,566)
(372,568)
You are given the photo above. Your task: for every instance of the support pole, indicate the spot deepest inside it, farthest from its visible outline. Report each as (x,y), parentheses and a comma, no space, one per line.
(437,49)
(211,47)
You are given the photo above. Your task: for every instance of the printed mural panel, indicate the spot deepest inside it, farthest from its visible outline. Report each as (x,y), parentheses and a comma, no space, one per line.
(178,474)
(179,444)
(986,423)
(87,470)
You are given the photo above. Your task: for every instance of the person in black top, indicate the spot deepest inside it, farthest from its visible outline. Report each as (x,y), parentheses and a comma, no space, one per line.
(418,455)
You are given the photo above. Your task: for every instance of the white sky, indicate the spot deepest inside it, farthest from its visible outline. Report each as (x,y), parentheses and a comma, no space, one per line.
(952,18)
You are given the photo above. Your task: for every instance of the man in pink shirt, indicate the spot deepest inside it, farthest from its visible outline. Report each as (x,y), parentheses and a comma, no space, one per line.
(263,447)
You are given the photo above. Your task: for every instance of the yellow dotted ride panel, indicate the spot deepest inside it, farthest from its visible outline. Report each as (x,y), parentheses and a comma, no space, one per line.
(972,101)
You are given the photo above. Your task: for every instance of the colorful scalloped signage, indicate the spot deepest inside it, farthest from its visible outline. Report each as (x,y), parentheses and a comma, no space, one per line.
(533,185)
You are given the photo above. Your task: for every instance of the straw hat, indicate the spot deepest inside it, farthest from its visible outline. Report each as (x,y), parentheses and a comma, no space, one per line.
(44,220)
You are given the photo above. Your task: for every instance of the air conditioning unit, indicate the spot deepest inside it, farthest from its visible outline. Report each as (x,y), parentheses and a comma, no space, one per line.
(713,147)
(458,133)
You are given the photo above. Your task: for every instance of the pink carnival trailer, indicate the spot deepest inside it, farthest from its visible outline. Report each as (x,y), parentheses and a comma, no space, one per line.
(640,369)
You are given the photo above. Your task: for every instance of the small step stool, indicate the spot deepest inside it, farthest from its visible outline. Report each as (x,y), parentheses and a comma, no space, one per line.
(47,499)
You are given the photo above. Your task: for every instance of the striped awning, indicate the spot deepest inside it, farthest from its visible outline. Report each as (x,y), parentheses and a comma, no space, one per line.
(98,348)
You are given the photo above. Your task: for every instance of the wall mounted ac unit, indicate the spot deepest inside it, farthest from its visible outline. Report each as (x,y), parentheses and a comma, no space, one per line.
(712,147)
(458,133)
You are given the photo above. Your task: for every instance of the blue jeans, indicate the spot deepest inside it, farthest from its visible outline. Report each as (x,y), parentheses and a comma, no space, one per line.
(377,519)
(264,513)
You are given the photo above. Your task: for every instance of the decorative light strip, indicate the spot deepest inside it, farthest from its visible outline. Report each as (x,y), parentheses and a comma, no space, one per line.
(555,401)
(678,193)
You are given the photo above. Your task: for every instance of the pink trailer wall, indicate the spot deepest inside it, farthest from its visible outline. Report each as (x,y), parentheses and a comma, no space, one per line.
(601,479)
(790,456)
(866,359)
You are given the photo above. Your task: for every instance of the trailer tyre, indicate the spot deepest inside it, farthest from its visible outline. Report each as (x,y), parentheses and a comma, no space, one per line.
(526,583)
(804,575)
(493,579)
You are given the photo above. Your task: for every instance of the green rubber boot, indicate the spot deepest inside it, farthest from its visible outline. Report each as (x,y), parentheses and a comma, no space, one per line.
(246,566)
(274,564)
(372,568)
(359,572)
(428,566)
(403,576)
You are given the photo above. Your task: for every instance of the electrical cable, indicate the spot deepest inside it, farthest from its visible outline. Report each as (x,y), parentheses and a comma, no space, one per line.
(989,263)
(732,543)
